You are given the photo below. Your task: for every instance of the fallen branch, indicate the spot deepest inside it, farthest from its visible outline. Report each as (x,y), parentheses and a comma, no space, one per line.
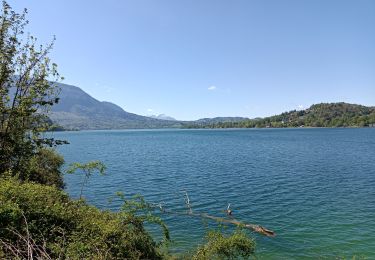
(253,227)
(256,228)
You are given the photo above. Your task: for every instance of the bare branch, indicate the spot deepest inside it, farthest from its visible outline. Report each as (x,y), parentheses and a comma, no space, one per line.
(253,227)
(187,201)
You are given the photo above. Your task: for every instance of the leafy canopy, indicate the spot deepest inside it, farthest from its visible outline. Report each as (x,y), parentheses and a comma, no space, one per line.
(26,93)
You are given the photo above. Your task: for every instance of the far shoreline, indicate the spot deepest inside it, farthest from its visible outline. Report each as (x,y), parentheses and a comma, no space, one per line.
(203,128)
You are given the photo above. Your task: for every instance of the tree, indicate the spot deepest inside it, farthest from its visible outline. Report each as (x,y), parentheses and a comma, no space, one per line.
(26,93)
(45,168)
(88,169)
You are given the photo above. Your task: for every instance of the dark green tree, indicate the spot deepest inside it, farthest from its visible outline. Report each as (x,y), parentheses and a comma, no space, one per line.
(45,168)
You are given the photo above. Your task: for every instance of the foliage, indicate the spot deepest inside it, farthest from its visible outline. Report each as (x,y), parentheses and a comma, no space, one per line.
(67,228)
(88,169)
(46,221)
(26,94)
(138,207)
(319,115)
(45,168)
(218,246)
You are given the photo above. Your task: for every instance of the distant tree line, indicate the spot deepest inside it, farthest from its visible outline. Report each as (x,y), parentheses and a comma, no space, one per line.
(319,115)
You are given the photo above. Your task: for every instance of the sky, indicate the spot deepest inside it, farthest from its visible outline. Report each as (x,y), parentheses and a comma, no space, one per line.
(191,59)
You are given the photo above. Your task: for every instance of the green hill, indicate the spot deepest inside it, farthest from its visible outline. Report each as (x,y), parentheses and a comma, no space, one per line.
(318,115)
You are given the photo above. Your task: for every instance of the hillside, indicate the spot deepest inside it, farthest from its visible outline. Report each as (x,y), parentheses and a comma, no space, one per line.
(78,110)
(318,115)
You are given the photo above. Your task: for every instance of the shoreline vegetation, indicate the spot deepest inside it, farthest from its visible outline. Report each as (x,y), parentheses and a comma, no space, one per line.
(213,128)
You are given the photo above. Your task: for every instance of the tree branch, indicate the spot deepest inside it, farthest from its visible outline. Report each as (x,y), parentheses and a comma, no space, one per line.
(253,227)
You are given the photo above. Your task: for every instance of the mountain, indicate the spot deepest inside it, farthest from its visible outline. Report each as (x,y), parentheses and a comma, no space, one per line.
(318,115)
(163,117)
(78,110)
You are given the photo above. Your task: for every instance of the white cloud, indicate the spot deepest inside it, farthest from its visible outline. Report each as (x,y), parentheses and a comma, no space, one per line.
(300,106)
(211,87)
(150,110)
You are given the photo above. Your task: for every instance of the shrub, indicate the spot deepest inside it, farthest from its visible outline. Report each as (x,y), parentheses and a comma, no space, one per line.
(48,219)
(218,246)
(45,168)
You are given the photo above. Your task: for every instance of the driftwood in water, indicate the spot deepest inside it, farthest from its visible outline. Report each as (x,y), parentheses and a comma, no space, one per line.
(256,228)
(253,227)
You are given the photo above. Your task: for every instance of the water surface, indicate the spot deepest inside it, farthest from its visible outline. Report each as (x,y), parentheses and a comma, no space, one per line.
(314,187)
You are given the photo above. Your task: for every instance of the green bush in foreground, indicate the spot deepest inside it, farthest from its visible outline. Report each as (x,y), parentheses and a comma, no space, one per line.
(45,168)
(46,220)
(218,246)
(40,221)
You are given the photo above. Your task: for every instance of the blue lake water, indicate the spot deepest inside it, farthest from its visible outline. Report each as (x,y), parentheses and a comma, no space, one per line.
(314,187)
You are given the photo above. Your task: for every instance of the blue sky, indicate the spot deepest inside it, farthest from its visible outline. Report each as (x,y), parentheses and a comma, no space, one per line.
(203,58)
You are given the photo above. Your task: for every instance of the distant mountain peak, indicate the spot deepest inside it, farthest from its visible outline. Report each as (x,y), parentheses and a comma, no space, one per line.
(163,117)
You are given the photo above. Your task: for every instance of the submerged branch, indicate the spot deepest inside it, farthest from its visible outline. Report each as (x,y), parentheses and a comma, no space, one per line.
(256,228)
(253,227)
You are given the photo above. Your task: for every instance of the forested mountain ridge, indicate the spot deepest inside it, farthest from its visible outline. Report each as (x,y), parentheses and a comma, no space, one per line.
(319,115)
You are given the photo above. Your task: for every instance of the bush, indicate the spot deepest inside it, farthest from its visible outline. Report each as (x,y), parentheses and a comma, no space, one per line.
(45,168)
(218,246)
(53,224)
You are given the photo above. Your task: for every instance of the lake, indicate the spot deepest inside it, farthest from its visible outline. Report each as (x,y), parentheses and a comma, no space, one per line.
(314,187)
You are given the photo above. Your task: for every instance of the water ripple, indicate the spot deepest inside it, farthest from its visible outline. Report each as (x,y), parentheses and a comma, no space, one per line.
(314,187)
